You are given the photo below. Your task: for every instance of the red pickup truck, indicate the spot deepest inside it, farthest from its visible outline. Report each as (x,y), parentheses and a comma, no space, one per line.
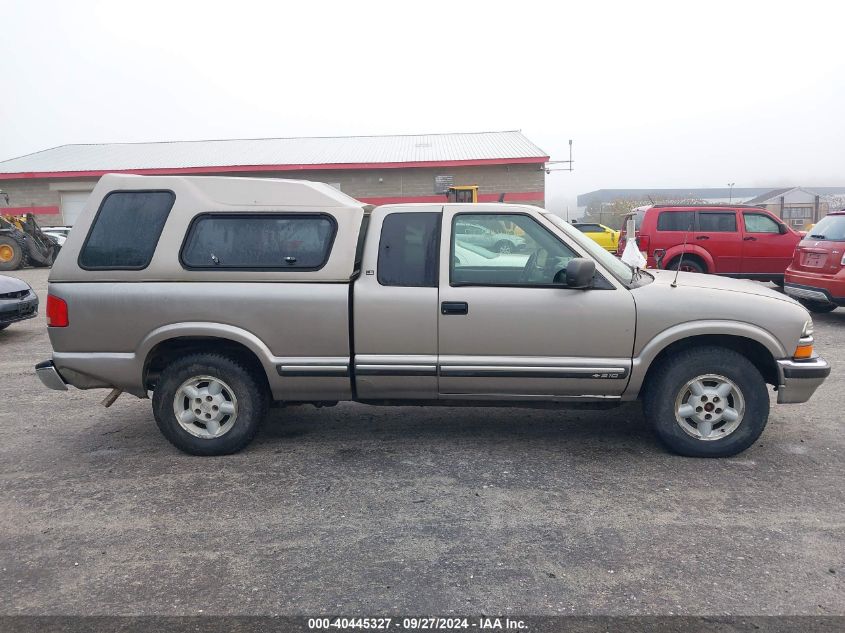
(731,240)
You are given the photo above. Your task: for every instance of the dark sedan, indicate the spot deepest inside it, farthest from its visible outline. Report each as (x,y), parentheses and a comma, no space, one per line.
(18,301)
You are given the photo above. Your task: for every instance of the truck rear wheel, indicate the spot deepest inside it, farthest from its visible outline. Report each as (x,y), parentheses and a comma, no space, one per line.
(11,253)
(707,402)
(209,404)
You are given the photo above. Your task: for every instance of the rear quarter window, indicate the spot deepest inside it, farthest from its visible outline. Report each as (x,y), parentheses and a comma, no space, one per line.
(266,241)
(717,222)
(126,230)
(408,249)
(676,221)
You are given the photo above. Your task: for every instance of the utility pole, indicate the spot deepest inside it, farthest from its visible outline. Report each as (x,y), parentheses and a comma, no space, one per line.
(731,192)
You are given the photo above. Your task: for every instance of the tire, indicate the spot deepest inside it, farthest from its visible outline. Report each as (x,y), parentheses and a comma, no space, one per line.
(779,281)
(818,307)
(669,390)
(12,253)
(504,247)
(688,265)
(241,392)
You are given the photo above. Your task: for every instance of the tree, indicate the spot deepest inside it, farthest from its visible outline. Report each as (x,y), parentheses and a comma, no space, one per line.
(613,213)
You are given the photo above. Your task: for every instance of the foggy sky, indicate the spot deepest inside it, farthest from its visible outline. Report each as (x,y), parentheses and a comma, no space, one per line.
(653,94)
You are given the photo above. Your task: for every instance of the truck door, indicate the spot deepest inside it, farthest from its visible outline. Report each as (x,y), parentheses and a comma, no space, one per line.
(506,331)
(765,250)
(718,234)
(395,305)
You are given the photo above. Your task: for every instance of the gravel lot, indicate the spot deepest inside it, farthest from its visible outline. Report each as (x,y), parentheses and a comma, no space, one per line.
(364,511)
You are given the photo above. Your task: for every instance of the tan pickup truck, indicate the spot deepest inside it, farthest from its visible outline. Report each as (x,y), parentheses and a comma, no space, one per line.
(222,296)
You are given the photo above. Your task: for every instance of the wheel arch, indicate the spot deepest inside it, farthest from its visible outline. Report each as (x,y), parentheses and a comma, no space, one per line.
(692,251)
(162,346)
(756,344)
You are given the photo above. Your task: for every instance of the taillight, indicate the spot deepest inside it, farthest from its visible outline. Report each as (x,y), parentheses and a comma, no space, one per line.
(56,312)
(642,242)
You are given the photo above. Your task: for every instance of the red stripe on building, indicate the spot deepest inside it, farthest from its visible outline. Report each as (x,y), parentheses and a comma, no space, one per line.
(224,169)
(33,210)
(510,196)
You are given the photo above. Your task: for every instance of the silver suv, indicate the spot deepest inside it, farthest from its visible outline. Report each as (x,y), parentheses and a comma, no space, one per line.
(220,296)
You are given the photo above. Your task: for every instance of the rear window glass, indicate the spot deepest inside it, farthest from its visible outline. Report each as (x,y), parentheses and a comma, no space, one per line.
(676,221)
(259,242)
(589,228)
(639,214)
(831,227)
(126,230)
(407,252)
(717,222)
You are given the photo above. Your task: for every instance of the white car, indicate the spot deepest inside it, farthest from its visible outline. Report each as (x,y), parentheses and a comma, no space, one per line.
(473,255)
(60,233)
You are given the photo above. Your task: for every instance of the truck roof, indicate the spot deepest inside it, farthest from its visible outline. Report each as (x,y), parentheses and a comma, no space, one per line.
(247,192)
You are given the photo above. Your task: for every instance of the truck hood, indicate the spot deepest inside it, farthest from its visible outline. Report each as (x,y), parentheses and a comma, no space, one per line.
(715,282)
(708,300)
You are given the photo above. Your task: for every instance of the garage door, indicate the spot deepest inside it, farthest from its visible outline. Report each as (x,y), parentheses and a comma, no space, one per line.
(72,204)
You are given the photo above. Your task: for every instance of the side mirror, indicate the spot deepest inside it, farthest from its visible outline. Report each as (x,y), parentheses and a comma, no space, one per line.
(782,229)
(578,274)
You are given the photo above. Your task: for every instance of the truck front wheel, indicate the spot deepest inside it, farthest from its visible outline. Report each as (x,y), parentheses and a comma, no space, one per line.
(209,404)
(707,402)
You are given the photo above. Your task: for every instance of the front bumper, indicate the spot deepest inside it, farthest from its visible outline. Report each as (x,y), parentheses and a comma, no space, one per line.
(50,376)
(798,380)
(12,310)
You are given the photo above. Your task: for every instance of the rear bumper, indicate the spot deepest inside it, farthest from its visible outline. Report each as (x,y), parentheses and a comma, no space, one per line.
(798,380)
(50,376)
(815,287)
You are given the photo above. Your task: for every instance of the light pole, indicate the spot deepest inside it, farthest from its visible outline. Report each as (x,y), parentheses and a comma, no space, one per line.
(731,192)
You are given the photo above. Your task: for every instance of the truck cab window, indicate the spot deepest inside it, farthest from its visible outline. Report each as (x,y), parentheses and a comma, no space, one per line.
(515,251)
(408,250)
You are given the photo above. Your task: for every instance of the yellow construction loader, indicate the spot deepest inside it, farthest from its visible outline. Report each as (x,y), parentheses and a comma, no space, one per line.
(462,193)
(22,242)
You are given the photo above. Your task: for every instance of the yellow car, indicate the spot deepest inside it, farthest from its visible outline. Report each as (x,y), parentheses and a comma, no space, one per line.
(602,235)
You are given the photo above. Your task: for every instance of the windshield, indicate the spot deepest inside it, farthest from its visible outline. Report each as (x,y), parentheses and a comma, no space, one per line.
(831,227)
(620,270)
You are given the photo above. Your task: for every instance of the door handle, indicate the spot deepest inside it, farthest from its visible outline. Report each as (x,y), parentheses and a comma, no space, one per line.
(702,237)
(749,239)
(454,307)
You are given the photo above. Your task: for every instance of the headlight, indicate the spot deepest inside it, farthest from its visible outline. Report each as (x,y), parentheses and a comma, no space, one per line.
(808,329)
(804,351)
